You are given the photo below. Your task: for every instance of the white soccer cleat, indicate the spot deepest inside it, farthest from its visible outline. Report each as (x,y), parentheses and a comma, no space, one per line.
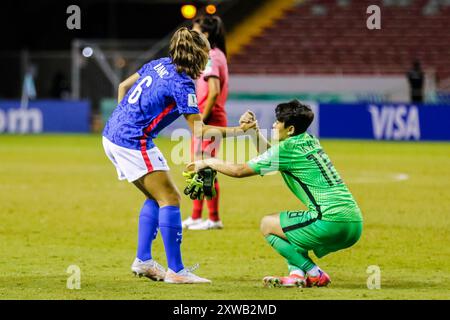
(207,225)
(150,269)
(189,222)
(184,276)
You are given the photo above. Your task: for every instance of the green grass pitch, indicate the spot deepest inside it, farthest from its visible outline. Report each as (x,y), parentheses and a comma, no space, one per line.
(61,205)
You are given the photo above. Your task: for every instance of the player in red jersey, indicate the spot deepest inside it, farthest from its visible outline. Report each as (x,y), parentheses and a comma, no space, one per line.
(212,92)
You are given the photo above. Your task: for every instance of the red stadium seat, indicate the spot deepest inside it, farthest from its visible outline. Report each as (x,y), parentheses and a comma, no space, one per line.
(340,43)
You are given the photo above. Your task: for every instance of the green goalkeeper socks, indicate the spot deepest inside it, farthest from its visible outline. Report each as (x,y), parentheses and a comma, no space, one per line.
(289,252)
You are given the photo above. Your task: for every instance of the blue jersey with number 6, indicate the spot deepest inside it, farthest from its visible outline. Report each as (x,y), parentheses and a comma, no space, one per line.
(157,98)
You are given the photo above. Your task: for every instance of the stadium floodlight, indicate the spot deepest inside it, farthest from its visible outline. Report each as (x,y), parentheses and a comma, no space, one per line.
(188,11)
(211,9)
(87,52)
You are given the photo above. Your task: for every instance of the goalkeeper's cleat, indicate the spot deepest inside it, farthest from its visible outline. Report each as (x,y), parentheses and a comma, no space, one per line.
(150,269)
(272,282)
(322,280)
(293,280)
(207,225)
(184,276)
(189,222)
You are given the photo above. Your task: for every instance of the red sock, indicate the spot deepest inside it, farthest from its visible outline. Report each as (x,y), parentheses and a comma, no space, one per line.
(197,209)
(213,205)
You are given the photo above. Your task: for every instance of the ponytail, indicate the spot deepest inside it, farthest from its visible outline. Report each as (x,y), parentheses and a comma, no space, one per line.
(189,52)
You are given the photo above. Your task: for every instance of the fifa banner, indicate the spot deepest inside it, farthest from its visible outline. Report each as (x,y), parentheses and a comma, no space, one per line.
(42,116)
(385,121)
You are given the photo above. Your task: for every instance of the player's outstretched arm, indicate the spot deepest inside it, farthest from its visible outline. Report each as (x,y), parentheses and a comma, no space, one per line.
(228,169)
(259,140)
(125,85)
(199,129)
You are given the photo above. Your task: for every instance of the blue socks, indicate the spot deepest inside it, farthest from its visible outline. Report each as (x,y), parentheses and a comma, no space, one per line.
(171,232)
(169,221)
(148,229)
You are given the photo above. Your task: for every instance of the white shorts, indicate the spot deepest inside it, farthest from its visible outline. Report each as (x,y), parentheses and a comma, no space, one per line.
(133,164)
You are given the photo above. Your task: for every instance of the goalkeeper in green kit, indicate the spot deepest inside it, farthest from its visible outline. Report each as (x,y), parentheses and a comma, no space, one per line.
(332,221)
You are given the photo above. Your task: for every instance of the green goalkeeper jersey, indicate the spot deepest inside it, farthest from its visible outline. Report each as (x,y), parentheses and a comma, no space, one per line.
(310,175)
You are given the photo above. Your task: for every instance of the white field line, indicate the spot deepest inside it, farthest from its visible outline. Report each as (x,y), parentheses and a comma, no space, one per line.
(376,177)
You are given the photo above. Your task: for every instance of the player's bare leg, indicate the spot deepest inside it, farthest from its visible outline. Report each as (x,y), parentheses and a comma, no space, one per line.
(274,234)
(302,270)
(271,225)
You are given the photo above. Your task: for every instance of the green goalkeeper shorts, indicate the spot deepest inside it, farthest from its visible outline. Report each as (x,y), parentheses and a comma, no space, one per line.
(303,230)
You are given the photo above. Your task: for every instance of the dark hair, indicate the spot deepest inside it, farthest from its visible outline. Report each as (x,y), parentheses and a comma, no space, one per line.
(294,113)
(216,30)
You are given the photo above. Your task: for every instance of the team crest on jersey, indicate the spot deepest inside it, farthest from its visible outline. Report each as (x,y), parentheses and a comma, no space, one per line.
(192,100)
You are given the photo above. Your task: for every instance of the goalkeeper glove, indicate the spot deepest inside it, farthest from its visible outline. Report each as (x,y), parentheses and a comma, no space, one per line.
(200,184)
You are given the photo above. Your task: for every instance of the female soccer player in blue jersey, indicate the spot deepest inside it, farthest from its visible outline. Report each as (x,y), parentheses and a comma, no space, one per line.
(149,101)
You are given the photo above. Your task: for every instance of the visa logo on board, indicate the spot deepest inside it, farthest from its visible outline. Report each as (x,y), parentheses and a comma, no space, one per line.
(395,122)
